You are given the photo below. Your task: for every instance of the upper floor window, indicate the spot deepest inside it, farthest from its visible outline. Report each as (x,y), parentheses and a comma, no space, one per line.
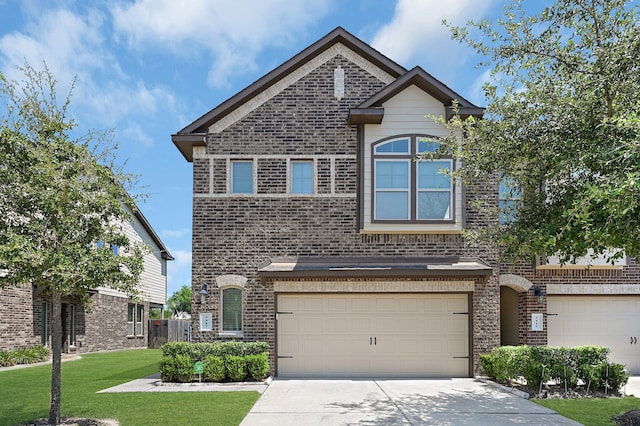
(509,198)
(406,188)
(242,177)
(301,177)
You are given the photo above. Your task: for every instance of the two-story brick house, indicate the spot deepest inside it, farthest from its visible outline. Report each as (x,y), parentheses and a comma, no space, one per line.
(315,229)
(113,320)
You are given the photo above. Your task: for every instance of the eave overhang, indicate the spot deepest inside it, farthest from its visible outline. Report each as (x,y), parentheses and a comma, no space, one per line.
(365,116)
(186,141)
(333,267)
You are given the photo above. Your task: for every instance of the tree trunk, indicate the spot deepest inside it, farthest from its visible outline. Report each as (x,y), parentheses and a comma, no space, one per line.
(56,348)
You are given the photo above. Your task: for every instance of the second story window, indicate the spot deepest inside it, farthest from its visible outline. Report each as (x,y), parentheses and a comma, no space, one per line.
(301,177)
(406,188)
(242,177)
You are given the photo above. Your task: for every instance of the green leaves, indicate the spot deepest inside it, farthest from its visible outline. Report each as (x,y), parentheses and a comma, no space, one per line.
(59,196)
(562,123)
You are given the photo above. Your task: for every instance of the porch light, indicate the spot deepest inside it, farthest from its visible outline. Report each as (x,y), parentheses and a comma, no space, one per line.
(203,292)
(537,291)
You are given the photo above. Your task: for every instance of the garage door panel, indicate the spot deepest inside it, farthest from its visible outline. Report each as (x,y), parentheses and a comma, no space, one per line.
(608,321)
(372,335)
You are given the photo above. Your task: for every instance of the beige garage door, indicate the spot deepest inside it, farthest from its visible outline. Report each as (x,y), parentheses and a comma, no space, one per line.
(611,321)
(373,335)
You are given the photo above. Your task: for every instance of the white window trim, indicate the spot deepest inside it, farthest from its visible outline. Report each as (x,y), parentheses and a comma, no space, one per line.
(407,190)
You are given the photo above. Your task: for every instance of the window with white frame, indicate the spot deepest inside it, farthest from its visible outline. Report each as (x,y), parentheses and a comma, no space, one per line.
(301,177)
(242,177)
(408,188)
(135,314)
(139,316)
(131,313)
(231,308)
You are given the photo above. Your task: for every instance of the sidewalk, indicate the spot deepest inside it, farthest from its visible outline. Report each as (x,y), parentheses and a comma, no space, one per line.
(154,384)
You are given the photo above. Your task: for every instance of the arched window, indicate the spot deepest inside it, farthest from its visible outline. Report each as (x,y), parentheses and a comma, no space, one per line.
(231,303)
(407,188)
(231,309)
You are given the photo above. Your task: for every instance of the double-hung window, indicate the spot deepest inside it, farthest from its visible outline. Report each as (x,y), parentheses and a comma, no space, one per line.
(242,177)
(407,188)
(135,314)
(301,177)
(509,198)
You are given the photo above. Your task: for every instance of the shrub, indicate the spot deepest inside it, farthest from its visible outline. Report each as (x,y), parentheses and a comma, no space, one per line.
(236,368)
(258,365)
(176,369)
(612,376)
(566,366)
(214,370)
(37,353)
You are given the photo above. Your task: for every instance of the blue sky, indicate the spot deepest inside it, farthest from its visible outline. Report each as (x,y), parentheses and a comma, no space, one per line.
(148,68)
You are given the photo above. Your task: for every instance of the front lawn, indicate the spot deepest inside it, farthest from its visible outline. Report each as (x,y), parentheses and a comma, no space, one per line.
(25,394)
(591,411)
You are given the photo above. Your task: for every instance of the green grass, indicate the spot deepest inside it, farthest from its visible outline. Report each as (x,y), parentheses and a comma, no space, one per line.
(25,394)
(591,411)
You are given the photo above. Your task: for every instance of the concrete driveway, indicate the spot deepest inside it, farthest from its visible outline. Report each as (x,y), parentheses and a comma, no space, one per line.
(397,402)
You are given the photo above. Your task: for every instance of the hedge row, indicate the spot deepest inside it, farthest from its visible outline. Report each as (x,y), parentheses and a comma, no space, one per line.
(30,355)
(586,365)
(223,361)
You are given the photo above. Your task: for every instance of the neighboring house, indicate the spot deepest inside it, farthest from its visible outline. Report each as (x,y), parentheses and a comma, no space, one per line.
(315,230)
(113,321)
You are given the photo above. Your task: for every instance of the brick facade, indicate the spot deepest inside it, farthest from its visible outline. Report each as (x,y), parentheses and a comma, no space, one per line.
(294,113)
(102,327)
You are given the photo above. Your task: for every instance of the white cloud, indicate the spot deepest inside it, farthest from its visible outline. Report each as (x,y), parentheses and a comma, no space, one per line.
(416,36)
(232,33)
(74,45)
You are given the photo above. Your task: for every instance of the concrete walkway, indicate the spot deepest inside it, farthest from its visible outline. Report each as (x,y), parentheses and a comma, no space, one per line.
(154,384)
(398,402)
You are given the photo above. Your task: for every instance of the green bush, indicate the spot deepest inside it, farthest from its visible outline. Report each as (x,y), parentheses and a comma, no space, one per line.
(224,350)
(236,368)
(612,376)
(564,365)
(176,369)
(214,370)
(258,365)
(37,353)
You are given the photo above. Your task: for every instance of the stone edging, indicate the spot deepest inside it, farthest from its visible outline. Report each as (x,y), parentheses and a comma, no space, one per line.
(266,382)
(516,392)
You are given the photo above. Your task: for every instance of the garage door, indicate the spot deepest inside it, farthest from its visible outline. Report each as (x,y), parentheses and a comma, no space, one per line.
(373,335)
(611,321)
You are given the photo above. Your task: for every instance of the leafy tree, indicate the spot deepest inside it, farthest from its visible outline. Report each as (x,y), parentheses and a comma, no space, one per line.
(59,197)
(180,301)
(561,126)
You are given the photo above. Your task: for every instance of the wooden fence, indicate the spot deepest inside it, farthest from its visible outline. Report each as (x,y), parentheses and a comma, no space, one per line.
(171,330)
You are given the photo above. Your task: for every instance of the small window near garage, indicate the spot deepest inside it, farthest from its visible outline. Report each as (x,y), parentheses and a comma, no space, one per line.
(242,177)
(44,324)
(302,177)
(231,317)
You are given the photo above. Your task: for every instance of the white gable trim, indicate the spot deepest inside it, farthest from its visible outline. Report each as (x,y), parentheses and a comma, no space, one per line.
(299,73)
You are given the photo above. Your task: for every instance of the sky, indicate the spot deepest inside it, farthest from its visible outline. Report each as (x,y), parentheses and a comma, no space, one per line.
(147,68)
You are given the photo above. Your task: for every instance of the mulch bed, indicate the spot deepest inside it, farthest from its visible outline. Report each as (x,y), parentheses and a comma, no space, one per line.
(76,421)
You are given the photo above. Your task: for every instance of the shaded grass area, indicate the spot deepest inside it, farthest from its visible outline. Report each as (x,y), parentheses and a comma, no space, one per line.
(25,394)
(591,411)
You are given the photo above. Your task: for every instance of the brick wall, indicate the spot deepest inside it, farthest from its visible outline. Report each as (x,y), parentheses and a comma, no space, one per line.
(236,234)
(102,327)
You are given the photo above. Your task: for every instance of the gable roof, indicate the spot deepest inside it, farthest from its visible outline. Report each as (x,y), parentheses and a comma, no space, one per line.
(371,111)
(194,134)
(164,251)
